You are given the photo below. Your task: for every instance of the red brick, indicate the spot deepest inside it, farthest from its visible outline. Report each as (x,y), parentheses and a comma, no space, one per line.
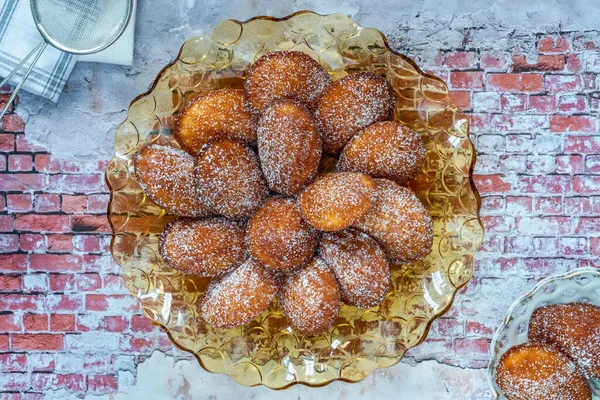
(102,383)
(518,123)
(114,303)
(548,205)
(10,323)
(19,202)
(70,166)
(9,243)
(10,283)
(542,103)
(41,361)
(62,282)
(35,282)
(114,283)
(553,44)
(98,203)
(466,80)
(88,282)
(20,162)
(21,302)
(87,243)
(74,204)
(4,342)
(55,262)
(7,142)
(449,327)
(13,262)
(544,63)
(40,341)
(491,183)
(60,243)
(479,122)
(556,225)
(582,144)
(46,202)
(32,242)
(22,182)
(493,60)
(590,81)
(69,382)
(566,164)
(13,362)
(461,99)
(62,322)
(7,223)
(35,322)
(586,184)
(572,104)
(544,184)
(76,183)
(472,347)
(137,344)
(474,328)
(574,63)
(14,381)
(24,145)
(588,226)
(513,102)
(497,224)
(63,302)
(461,60)
(562,83)
(515,82)
(115,323)
(572,123)
(577,205)
(595,246)
(12,123)
(90,223)
(42,223)
(45,163)
(141,324)
(573,246)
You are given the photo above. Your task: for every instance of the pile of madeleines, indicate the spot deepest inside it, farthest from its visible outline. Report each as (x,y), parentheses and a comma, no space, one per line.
(260,214)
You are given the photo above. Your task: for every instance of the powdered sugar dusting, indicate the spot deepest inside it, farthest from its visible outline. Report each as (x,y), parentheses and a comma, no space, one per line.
(310,298)
(384,150)
(537,371)
(278,236)
(284,74)
(335,201)
(204,247)
(360,266)
(166,175)
(351,104)
(238,297)
(573,328)
(214,115)
(399,222)
(229,178)
(289,146)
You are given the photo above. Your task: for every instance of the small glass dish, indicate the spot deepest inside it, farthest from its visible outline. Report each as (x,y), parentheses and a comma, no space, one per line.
(580,285)
(267,351)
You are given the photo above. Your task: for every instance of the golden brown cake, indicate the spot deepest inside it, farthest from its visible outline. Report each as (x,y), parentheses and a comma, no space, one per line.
(230,180)
(310,298)
(204,247)
(574,329)
(278,236)
(535,371)
(399,222)
(166,175)
(351,104)
(239,296)
(359,264)
(335,201)
(219,114)
(384,150)
(289,146)
(284,74)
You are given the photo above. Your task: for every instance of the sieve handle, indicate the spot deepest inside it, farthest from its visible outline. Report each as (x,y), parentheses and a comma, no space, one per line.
(39,49)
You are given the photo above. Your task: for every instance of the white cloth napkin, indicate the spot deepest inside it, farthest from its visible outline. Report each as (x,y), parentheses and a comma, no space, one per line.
(18,36)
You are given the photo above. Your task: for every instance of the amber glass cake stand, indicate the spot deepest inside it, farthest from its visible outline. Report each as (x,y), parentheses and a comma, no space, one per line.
(267,351)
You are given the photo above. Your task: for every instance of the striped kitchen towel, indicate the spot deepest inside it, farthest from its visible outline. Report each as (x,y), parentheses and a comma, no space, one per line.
(18,36)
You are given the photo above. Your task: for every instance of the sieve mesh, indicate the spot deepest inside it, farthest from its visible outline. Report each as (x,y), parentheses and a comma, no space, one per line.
(81,25)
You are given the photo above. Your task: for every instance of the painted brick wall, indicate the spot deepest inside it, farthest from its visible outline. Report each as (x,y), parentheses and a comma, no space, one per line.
(67,322)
